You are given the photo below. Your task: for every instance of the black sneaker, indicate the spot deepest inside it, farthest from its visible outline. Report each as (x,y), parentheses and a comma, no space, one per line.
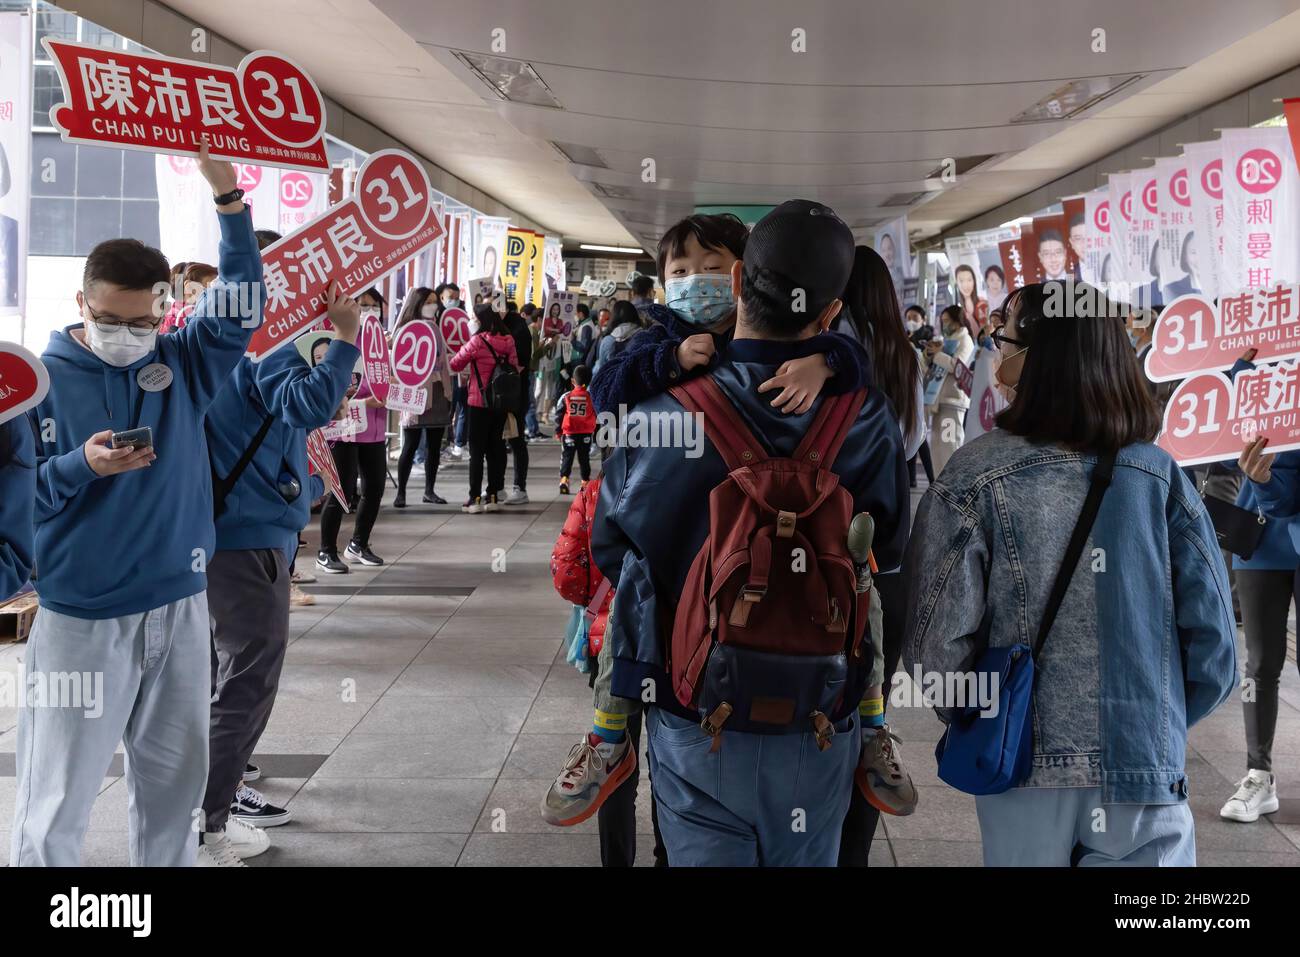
(361,553)
(251,807)
(433,498)
(251,772)
(328,562)
(400,500)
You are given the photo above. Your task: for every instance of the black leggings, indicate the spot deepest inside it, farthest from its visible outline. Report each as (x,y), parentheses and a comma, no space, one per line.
(860,823)
(410,445)
(486,446)
(519,449)
(366,461)
(923,453)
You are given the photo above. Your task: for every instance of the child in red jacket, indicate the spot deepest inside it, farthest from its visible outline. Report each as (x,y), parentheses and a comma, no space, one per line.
(576,425)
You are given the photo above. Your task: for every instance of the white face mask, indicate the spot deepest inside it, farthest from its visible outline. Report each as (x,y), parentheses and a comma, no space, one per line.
(473,325)
(368,312)
(451,302)
(428,311)
(119,347)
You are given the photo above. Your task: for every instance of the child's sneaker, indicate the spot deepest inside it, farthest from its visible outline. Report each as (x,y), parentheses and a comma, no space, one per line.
(592,772)
(880,774)
(1256,795)
(473,505)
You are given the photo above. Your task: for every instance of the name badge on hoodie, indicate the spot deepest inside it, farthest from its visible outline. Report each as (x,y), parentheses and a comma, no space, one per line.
(154,377)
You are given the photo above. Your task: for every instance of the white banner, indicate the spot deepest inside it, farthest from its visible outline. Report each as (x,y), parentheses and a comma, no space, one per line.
(1120,192)
(1096,236)
(187,230)
(281,199)
(553,262)
(1205,183)
(985,399)
(1260,199)
(1175,256)
(463,236)
(489,246)
(15,160)
(1143,235)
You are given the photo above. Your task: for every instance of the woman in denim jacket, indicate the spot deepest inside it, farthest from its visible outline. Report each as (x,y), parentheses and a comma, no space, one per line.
(1144,644)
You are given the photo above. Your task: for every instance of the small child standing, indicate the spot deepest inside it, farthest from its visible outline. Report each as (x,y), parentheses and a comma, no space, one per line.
(575,419)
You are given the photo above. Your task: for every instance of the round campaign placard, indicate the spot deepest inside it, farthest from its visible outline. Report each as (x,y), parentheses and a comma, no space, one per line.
(283,100)
(1259,170)
(374,353)
(393,191)
(23,381)
(154,377)
(455,328)
(415,348)
(1196,418)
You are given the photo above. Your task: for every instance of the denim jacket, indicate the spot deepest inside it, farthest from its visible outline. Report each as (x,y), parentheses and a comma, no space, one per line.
(1144,644)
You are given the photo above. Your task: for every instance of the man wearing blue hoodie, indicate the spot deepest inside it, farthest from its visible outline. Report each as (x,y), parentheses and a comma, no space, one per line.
(257,438)
(17,494)
(123,539)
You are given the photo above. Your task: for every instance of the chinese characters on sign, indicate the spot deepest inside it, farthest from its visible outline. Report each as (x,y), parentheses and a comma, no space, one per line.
(1209,417)
(267,111)
(1193,336)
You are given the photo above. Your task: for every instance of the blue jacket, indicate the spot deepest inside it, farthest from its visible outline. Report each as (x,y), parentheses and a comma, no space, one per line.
(647,365)
(301,398)
(647,558)
(17,498)
(1277,550)
(1144,645)
(129,543)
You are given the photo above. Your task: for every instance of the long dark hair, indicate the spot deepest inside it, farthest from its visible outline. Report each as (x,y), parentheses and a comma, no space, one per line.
(490,321)
(1080,386)
(872,307)
(622,314)
(411,308)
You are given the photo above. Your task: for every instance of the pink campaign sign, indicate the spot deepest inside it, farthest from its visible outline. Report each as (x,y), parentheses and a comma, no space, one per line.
(374,355)
(415,349)
(1210,417)
(1193,336)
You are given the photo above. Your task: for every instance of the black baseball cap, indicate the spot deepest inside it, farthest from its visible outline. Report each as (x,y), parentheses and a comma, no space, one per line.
(800,245)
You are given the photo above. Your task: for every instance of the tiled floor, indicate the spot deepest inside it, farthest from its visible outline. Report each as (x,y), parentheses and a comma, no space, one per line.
(426,706)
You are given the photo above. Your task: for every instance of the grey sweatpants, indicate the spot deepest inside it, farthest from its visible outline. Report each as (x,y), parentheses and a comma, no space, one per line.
(248,597)
(140,679)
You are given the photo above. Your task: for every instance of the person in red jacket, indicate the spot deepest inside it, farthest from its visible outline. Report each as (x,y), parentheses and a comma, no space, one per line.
(576,419)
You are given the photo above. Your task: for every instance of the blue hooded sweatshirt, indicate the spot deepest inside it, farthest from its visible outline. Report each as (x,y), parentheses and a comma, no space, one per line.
(301,398)
(128,543)
(17,496)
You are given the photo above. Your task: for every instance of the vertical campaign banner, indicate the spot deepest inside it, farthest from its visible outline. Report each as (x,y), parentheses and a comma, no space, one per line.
(891,242)
(1020,259)
(1260,200)
(1205,184)
(1176,257)
(186,227)
(1116,269)
(993,276)
(514,275)
(536,268)
(961,252)
(15,159)
(1144,238)
(489,246)
(553,262)
(561,312)
(465,242)
(1096,238)
(1076,228)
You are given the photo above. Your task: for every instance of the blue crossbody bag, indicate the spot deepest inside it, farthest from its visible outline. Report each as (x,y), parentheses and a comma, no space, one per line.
(988,753)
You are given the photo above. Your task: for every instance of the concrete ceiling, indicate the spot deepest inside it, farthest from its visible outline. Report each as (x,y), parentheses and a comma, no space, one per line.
(714,94)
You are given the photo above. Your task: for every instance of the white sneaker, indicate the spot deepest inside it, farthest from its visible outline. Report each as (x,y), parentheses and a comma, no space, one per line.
(456,451)
(247,840)
(218,852)
(1256,795)
(516,497)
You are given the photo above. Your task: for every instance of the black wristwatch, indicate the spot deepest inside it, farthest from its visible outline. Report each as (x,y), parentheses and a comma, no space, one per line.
(225,199)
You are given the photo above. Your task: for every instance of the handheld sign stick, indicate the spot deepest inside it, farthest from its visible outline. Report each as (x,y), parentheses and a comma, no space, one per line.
(862,530)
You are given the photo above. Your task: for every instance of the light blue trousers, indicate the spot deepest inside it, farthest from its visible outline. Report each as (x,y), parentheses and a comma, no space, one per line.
(1071,827)
(153,672)
(760,800)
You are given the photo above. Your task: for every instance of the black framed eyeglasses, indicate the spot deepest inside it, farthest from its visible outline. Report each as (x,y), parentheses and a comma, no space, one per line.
(1000,337)
(137,327)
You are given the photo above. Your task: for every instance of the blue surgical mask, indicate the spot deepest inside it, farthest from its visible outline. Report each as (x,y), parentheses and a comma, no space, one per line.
(702,299)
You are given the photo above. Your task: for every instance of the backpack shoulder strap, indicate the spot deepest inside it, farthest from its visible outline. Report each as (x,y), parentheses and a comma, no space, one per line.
(1101,476)
(722,423)
(222,487)
(822,442)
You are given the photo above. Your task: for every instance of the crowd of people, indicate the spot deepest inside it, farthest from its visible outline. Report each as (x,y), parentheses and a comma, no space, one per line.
(753,639)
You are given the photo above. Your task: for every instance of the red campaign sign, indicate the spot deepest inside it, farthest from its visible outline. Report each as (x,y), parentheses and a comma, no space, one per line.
(23,381)
(455,329)
(1193,336)
(1291,108)
(415,348)
(266,111)
(376,368)
(387,221)
(322,463)
(1210,418)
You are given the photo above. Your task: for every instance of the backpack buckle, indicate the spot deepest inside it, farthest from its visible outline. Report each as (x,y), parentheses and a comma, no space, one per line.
(712,725)
(823,730)
(785,524)
(749,596)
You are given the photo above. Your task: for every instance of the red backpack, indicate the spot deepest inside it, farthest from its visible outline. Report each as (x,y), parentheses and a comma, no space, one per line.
(770,621)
